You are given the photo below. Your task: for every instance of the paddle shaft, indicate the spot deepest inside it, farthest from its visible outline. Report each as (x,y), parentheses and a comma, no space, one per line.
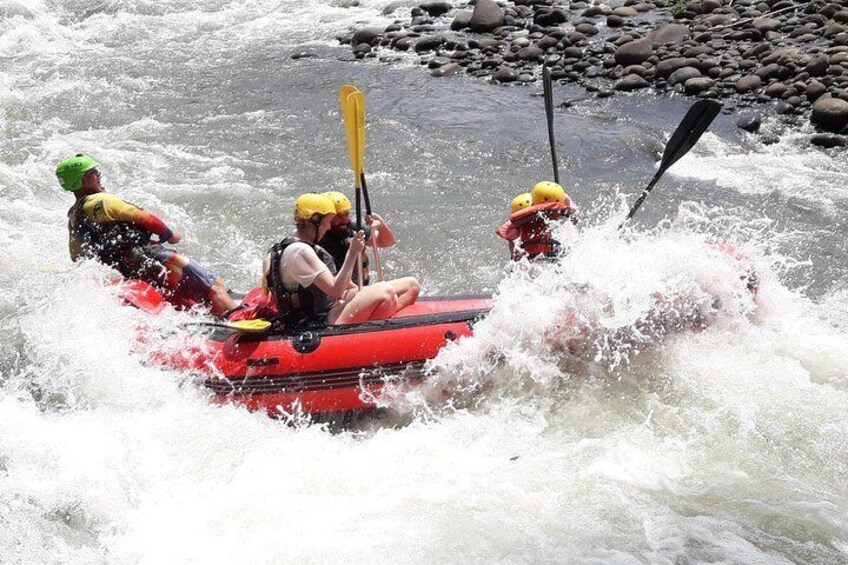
(694,124)
(549,113)
(374,247)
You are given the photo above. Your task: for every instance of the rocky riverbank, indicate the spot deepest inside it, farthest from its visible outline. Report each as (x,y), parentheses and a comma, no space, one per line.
(784,57)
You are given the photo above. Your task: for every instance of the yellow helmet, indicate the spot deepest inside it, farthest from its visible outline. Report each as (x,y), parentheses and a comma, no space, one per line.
(339,200)
(521,202)
(310,204)
(547,191)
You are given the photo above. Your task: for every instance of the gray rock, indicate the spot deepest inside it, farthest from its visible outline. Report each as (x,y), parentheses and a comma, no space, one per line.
(615,21)
(487,17)
(429,43)
(624,11)
(828,141)
(586,29)
(437,62)
(634,52)
(630,82)
(445,70)
(550,18)
(669,33)
(530,53)
(547,42)
(436,9)
(748,83)
(680,76)
(817,65)
(766,24)
(403,43)
(814,90)
(366,35)
(461,21)
(303,55)
(830,114)
(696,85)
(750,123)
(775,90)
(505,74)
(668,66)
(362,49)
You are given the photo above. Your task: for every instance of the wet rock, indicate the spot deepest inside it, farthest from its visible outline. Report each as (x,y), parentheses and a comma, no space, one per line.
(814,90)
(362,49)
(461,21)
(487,17)
(505,74)
(634,52)
(586,29)
(547,42)
(680,76)
(748,83)
(429,43)
(775,90)
(615,21)
(403,43)
(303,55)
(817,65)
(668,66)
(828,141)
(550,18)
(366,35)
(669,33)
(530,53)
(750,123)
(631,82)
(624,11)
(445,70)
(830,114)
(784,108)
(436,9)
(696,85)
(437,62)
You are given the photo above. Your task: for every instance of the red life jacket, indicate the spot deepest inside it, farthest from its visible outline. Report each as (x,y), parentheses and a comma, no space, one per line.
(534,231)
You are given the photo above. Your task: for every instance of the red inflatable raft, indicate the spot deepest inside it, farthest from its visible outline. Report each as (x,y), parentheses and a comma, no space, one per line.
(328,368)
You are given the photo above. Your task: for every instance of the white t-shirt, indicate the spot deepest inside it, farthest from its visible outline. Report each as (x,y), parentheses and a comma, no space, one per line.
(299,265)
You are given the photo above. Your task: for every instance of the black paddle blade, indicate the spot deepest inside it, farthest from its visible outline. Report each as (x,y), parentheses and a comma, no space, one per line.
(696,122)
(549,112)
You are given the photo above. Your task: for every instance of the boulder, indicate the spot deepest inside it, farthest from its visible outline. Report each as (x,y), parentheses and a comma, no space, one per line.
(445,70)
(461,21)
(634,52)
(669,33)
(680,76)
(763,25)
(830,114)
(505,74)
(748,83)
(366,35)
(487,16)
(436,9)
(631,82)
(429,43)
(696,85)
(550,18)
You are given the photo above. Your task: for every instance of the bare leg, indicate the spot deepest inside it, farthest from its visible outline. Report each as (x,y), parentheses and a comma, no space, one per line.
(220,298)
(406,290)
(371,303)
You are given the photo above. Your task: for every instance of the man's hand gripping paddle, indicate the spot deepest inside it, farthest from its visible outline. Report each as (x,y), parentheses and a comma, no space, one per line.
(694,124)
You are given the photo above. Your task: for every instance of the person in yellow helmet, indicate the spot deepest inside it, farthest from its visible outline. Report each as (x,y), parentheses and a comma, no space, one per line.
(104,227)
(301,278)
(528,229)
(337,241)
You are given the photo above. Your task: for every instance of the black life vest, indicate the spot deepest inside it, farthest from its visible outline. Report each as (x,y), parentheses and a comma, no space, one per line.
(338,245)
(304,303)
(111,243)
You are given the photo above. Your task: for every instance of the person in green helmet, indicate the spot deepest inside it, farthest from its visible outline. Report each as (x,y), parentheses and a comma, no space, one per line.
(119,234)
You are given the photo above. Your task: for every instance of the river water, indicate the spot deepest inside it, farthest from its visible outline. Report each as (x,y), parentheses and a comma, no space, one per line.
(652,444)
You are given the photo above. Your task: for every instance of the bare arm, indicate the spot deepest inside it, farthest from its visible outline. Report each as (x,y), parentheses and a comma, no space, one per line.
(384,236)
(338,285)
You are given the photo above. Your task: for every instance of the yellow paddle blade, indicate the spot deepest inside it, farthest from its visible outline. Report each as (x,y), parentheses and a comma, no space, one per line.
(359,114)
(249,326)
(349,116)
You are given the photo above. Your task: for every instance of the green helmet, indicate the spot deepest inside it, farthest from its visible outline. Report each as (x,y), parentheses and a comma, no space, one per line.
(70,171)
